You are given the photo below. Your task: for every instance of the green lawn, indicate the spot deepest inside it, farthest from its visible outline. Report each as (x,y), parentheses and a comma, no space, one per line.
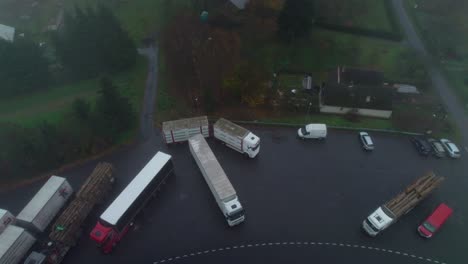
(324,50)
(369,14)
(52,104)
(430,27)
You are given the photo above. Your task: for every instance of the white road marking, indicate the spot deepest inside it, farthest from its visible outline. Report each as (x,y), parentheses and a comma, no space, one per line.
(298,243)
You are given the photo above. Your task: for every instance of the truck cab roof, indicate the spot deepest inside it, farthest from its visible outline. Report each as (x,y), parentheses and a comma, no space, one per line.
(252,139)
(380,219)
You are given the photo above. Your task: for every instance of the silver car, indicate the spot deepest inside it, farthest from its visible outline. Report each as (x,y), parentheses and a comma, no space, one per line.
(366,141)
(451,148)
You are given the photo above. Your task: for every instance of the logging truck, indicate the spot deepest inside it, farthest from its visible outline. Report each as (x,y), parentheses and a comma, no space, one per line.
(67,228)
(401,204)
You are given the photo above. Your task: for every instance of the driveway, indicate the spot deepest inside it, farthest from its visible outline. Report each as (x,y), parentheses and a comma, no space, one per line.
(440,83)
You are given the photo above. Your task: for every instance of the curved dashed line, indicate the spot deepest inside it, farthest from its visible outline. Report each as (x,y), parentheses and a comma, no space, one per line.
(274,244)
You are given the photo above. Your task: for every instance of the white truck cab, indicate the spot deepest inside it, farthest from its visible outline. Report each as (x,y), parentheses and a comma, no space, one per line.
(378,221)
(237,137)
(233,211)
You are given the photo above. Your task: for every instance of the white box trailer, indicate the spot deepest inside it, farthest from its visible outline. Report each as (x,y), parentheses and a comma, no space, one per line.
(181,130)
(45,205)
(15,242)
(216,178)
(6,218)
(237,137)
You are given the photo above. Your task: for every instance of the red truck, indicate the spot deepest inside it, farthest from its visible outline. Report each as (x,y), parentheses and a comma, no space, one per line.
(116,220)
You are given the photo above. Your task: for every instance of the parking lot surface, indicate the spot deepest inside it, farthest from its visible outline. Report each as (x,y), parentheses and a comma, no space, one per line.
(296,194)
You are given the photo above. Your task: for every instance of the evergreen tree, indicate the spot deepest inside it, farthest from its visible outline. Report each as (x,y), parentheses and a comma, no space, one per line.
(93,42)
(114,112)
(296,19)
(23,67)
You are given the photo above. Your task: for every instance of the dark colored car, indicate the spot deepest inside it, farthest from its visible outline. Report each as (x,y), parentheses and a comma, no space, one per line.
(421,145)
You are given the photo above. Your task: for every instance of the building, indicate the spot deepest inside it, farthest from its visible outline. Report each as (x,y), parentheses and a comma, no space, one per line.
(240,4)
(356,91)
(7,33)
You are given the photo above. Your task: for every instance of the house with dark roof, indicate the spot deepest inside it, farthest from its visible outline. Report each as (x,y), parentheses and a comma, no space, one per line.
(357,91)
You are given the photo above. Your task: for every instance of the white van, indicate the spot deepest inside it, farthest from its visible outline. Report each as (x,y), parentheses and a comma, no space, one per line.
(317,131)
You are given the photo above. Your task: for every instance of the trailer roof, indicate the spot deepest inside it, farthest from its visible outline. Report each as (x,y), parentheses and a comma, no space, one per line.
(41,198)
(185,123)
(231,128)
(134,188)
(213,169)
(8,238)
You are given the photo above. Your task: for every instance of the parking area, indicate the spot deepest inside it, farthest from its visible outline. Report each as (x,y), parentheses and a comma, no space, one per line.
(295,192)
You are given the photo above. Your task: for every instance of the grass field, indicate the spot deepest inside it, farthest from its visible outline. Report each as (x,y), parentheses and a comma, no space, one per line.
(430,27)
(369,14)
(51,105)
(324,50)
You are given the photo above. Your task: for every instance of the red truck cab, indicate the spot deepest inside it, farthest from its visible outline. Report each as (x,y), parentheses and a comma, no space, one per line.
(106,237)
(435,221)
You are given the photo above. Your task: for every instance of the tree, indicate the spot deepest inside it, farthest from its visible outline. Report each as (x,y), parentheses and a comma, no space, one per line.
(93,42)
(204,54)
(81,109)
(23,68)
(114,112)
(248,84)
(295,19)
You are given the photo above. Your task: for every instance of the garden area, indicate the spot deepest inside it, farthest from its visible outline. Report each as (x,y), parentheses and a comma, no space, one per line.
(442,25)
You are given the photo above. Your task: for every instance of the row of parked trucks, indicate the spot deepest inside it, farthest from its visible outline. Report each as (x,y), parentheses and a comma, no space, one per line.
(31,230)
(29,236)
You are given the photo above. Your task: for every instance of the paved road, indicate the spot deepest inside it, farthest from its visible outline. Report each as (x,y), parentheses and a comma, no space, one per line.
(295,192)
(453,105)
(146,118)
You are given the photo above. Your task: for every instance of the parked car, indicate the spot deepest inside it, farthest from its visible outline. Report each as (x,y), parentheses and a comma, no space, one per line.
(421,145)
(451,148)
(437,148)
(435,221)
(318,131)
(366,141)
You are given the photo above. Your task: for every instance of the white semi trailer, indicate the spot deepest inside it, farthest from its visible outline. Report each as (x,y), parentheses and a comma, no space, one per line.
(15,242)
(237,137)
(45,205)
(216,178)
(181,130)
(6,218)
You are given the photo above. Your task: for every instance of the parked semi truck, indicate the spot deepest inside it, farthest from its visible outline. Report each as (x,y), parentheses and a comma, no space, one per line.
(6,218)
(45,205)
(391,211)
(66,230)
(217,181)
(181,130)
(116,220)
(237,137)
(15,242)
